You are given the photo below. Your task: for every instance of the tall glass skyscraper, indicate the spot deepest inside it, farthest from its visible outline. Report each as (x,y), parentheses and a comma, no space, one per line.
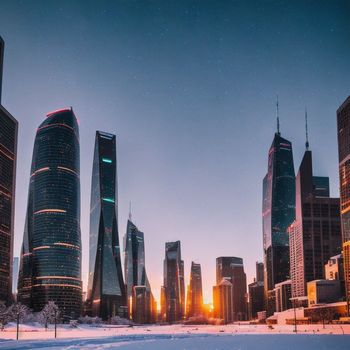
(50,267)
(136,280)
(194,303)
(106,289)
(174,285)
(8,157)
(278,211)
(343,126)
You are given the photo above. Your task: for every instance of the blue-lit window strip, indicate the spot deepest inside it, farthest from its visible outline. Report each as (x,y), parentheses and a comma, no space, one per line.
(106,160)
(109,200)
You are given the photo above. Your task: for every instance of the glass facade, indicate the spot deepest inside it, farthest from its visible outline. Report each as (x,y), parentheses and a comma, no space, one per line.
(8,155)
(194,303)
(50,267)
(106,289)
(343,128)
(174,285)
(278,211)
(136,280)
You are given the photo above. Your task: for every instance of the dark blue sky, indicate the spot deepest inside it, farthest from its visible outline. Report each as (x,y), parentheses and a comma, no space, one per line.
(189,88)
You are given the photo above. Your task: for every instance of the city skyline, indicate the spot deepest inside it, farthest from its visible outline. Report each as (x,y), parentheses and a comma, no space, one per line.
(189,138)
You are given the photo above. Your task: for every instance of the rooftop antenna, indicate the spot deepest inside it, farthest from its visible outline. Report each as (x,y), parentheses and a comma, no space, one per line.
(306,132)
(278,117)
(130,210)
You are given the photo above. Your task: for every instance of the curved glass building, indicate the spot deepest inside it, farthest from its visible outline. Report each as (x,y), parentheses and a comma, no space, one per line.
(106,289)
(50,267)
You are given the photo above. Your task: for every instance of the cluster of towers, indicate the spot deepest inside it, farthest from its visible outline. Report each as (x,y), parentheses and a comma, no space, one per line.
(303,227)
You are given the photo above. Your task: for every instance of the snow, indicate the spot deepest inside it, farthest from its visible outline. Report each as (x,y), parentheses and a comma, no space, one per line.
(179,337)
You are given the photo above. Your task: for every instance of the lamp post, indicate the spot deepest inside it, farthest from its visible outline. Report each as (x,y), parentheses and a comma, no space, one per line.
(17,331)
(295,315)
(55,323)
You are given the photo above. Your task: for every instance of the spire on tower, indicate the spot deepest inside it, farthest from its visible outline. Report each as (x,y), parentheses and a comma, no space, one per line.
(278,117)
(306,132)
(130,210)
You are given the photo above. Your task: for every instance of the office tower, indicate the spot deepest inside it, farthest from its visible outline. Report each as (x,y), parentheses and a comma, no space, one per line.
(162,304)
(15,275)
(137,284)
(222,295)
(343,126)
(256,292)
(283,294)
(315,234)
(50,266)
(256,298)
(278,212)
(173,282)
(231,269)
(194,303)
(106,289)
(259,266)
(8,158)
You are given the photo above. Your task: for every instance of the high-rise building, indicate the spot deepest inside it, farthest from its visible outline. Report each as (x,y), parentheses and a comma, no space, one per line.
(106,289)
(174,288)
(8,158)
(222,297)
(256,292)
(256,298)
(50,266)
(194,303)
(137,284)
(278,212)
(343,126)
(231,269)
(315,234)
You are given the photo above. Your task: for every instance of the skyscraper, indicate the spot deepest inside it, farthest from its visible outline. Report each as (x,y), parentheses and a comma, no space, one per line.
(173,282)
(8,158)
(194,303)
(315,234)
(137,284)
(256,292)
(343,126)
(278,211)
(50,267)
(106,289)
(231,269)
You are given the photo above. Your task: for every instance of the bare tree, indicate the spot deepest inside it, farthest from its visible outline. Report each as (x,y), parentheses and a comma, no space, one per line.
(49,314)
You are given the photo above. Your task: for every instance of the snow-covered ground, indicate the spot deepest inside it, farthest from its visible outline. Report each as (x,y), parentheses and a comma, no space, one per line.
(230,337)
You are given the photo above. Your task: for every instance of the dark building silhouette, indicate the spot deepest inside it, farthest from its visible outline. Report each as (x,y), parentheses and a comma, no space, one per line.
(315,234)
(278,212)
(343,127)
(259,266)
(50,267)
(8,158)
(194,303)
(174,288)
(106,289)
(140,299)
(222,295)
(256,292)
(231,269)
